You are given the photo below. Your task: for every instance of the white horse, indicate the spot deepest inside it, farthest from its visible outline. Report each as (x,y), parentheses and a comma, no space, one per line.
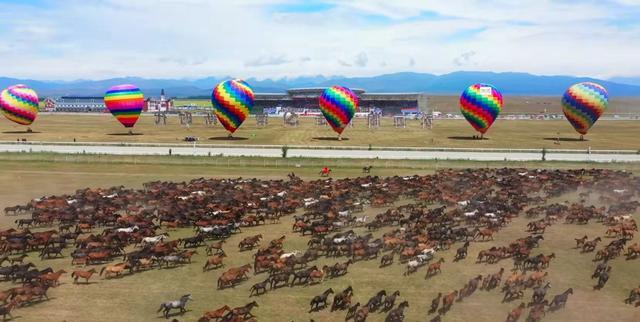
(345,213)
(207,229)
(308,204)
(490,215)
(287,255)
(128,230)
(471,213)
(179,304)
(429,251)
(154,240)
(414,264)
(463,203)
(361,220)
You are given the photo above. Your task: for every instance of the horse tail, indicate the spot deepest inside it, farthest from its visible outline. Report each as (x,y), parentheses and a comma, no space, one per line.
(161,307)
(73,275)
(102,270)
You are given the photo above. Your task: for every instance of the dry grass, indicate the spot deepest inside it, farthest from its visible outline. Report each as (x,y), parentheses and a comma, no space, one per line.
(446,133)
(513,104)
(136,297)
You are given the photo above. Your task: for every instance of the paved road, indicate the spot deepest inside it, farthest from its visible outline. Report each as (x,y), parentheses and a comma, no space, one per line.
(319,153)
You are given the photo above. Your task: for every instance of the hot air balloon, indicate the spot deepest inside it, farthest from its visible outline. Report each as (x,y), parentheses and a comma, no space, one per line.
(19,104)
(583,103)
(338,105)
(125,102)
(481,104)
(232,101)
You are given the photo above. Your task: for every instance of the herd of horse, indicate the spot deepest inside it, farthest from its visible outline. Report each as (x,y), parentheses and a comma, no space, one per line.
(128,231)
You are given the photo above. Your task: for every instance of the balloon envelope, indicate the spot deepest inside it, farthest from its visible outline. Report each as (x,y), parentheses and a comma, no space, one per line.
(583,104)
(338,105)
(481,104)
(232,101)
(19,104)
(125,102)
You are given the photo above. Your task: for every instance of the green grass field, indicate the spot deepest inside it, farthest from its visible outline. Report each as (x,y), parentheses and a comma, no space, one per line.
(136,297)
(446,133)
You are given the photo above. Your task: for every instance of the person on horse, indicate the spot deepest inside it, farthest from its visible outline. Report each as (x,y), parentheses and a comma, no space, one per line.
(325,172)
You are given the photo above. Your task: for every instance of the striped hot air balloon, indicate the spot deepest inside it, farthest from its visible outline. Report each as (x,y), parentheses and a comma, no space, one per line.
(481,104)
(583,104)
(19,104)
(232,102)
(125,102)
(338,105)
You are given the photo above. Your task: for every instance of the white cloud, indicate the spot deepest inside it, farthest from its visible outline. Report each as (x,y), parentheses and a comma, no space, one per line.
(252,38)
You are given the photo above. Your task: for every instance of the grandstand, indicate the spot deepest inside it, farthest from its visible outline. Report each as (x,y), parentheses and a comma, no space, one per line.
(79,104)
(304,101)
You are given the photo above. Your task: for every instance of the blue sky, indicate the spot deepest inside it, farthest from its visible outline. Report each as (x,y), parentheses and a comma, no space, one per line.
(93,39)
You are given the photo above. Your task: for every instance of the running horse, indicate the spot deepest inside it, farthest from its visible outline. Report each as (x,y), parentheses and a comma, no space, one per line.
(320,301)
(180,304)
(214,315)
(82,274)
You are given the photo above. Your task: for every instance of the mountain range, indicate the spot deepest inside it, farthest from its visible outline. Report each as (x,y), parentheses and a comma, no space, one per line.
(510,83)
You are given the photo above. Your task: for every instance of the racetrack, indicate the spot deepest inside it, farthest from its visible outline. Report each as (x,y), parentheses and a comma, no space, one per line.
(320,152)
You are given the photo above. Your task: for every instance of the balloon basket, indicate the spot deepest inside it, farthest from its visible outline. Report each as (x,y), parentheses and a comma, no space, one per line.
(29,130)
(130,132)
(339,137)
(581,137)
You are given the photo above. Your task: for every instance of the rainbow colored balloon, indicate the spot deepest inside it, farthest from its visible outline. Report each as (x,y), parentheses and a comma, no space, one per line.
(232,102)
(125,102)
(338,105)
(583,104)
(19,104)
(481,104)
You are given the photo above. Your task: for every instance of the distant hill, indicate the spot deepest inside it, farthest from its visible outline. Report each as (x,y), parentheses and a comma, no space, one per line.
(452,83)
(626,80)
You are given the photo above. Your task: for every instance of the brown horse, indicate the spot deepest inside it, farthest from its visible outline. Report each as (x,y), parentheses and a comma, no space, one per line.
(215,315)
(214,262)
(114,270)
(590,245)
(447,301)
(6,295)
(245,311)
(6,310)
(515,314)
(580,241)
(485,233)
(82,274)
(434,268)
(317,276)
(217,246)
(52,278)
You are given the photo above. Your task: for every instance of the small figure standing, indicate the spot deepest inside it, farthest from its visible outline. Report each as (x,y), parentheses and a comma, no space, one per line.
(325,172)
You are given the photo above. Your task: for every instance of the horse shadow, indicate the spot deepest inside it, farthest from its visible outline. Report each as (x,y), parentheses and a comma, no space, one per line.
(85,283)
(21,132)
(329,138)
(170,267)
(174,314)
(228,138)
(565,139)
(467,138)
(125,134)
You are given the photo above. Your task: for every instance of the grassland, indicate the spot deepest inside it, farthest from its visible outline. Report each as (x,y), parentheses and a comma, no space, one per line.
(136,297)
(446,133)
